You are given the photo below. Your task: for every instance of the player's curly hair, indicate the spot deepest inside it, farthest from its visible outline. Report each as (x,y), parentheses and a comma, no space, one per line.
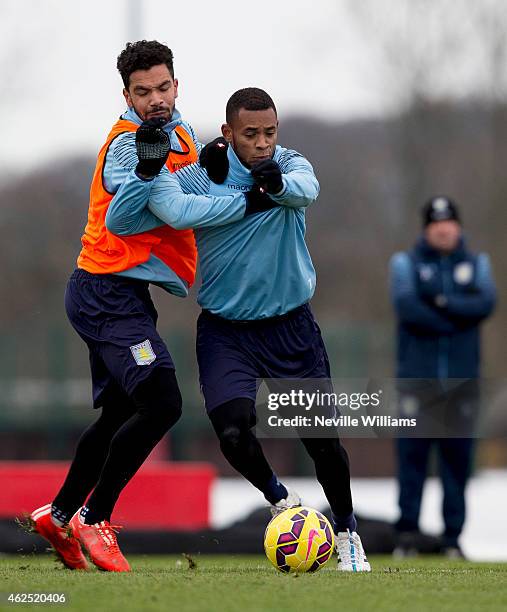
(142,55)
(249,98)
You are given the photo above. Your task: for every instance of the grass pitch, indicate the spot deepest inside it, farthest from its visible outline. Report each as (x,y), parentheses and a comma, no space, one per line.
(249,583)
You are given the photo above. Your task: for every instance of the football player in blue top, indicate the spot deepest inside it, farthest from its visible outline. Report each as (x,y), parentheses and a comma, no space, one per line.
(257,281)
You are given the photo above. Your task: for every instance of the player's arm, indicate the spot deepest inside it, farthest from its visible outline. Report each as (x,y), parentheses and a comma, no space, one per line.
(410,307)
(288,178)
(127,212)
(181,210)
(150,184)
(140,206)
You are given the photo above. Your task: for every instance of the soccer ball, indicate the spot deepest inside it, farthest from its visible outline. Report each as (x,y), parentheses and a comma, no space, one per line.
(299,539)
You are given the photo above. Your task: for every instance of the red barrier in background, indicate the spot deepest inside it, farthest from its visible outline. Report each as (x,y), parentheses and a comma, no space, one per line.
(162,496)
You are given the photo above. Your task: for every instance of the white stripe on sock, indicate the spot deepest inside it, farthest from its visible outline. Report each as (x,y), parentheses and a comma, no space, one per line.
(37,514)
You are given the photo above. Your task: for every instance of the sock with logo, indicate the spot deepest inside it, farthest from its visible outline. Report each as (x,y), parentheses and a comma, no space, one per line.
(60,517)
(88,517)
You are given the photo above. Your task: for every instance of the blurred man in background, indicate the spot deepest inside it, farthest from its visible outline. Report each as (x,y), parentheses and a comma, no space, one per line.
(441,293)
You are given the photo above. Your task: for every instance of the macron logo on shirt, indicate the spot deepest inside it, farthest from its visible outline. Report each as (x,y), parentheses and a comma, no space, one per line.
(238,187)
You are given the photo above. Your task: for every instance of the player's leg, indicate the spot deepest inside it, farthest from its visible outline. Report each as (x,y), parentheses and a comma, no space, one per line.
(455,457)
(228,373)
(90,455)
(233,422)
(117,319)
(157,402)
(332,470)
(412,455)
(158,406)
(295,349)
(51,520)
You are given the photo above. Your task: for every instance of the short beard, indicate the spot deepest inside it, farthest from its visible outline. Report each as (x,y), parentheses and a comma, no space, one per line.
(144,118)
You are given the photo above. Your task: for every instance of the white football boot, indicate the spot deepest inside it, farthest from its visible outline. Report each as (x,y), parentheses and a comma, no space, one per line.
(292,500)
(350,551)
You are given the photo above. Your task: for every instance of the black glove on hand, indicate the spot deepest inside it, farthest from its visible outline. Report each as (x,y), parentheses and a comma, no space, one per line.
(213,158)
(258,201)
(153,146)
(268,175)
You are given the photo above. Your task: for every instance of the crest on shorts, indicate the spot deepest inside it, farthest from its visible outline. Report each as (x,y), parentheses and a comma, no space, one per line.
(143,353)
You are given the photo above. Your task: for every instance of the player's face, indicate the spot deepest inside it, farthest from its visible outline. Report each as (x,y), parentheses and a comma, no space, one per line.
(152,92)
(253,135)
(443,235)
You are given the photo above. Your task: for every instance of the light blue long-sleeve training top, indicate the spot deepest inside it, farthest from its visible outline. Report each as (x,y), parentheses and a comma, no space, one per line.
(254,268)
(180,210)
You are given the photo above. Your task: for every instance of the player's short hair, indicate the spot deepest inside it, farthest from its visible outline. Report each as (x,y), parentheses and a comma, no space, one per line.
(249,98)
(143,55)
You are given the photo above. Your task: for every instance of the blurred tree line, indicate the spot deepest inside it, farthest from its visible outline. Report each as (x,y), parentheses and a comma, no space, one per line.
(367,210)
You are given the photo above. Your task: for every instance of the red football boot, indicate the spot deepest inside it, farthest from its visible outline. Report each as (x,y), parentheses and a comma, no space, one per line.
(66,547)
(100,543)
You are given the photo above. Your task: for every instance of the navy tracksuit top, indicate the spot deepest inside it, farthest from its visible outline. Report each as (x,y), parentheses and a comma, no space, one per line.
(438,337)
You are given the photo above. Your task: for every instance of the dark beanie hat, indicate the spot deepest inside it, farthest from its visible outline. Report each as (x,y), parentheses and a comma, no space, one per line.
(439,208)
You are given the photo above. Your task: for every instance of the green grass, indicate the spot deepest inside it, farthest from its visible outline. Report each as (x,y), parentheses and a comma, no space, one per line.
(249,583)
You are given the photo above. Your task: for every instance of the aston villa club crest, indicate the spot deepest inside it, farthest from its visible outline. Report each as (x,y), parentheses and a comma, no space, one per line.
(143,353)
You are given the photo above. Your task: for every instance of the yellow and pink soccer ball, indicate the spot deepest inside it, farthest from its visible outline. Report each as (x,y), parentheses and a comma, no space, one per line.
(299,540)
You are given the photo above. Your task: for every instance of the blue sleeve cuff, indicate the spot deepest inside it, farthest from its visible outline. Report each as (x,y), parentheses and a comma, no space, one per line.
(280,193)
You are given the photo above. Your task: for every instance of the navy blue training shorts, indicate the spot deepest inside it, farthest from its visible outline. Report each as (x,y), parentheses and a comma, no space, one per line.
(117,319)
(233,354)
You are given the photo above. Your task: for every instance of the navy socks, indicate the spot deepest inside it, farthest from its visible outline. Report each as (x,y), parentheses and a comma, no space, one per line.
(342,523)
(275,491)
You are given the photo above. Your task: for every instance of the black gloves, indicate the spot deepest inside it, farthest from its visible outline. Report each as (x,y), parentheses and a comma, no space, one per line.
(152,145)
(213,158)
(258,201)
(267,174)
